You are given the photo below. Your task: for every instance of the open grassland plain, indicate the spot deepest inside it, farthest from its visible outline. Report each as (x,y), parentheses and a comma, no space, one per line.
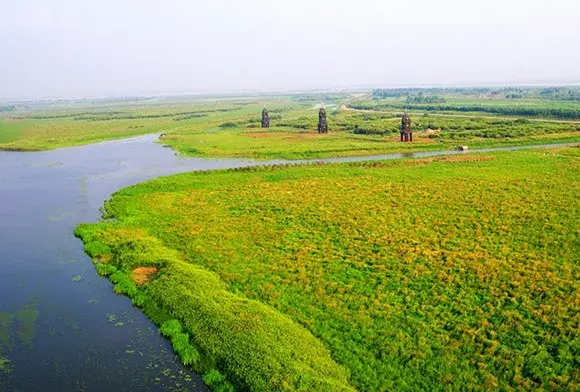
(448,273)
(552,102)
(482,106)
(48,129)
(293,135)
(231,127)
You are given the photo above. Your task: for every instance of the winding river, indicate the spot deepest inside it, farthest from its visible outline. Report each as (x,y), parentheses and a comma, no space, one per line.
(61,325)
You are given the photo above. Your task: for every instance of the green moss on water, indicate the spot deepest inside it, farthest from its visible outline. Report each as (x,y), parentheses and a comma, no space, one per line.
(6,366)
(6,320)
(18,326)
(26,320)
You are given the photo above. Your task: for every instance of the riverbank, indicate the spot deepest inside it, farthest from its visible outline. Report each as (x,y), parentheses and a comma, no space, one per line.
(61,325)
(418,274)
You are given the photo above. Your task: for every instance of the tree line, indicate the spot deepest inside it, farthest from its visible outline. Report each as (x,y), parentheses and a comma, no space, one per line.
(562,93)
(562,113)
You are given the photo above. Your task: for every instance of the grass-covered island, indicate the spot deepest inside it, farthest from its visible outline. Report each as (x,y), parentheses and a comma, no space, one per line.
(449,273)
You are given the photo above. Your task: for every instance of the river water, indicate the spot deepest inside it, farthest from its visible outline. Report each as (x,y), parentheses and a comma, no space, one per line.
(61,325)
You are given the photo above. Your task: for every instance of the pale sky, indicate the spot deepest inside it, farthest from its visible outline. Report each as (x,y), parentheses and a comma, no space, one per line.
(81,48)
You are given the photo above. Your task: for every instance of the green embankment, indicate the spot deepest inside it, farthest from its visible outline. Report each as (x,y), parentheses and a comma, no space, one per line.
(450,273)
(211,329)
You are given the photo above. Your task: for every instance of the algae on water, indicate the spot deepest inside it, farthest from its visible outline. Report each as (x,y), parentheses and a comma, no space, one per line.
(26,321)
(18,327)
(6,366)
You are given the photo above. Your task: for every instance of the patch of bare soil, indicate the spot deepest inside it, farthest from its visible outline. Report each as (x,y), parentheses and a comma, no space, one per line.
(142,275)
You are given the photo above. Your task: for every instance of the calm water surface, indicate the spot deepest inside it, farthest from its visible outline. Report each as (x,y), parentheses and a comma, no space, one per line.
(61,325)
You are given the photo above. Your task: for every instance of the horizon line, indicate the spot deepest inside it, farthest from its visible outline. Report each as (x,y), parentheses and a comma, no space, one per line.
(240,92)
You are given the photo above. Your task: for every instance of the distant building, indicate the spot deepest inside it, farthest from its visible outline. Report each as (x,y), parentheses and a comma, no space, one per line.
(406,131)
(322,124)
(265,118)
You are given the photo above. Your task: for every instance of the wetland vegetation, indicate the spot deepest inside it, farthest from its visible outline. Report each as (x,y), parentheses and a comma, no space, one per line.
(431,274)
(448,273)
(360,124)
(290,196)
(543,102)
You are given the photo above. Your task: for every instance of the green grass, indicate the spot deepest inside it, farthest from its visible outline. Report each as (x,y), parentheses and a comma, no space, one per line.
(353,133)
(533,108)
(46,134)
(10,131)
(230,127)
(280,143)
(45,130)
(214,331)
(493,101)
(296,144)
(533,103)
(450,273)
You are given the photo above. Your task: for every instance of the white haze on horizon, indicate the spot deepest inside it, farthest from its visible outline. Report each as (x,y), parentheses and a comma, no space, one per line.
(78,48)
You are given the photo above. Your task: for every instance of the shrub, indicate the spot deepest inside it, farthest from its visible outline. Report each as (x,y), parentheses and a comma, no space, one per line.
(170,328)
(105,269)
(96,248)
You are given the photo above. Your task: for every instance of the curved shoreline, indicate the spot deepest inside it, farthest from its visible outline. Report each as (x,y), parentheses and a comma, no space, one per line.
(69,185)
(207,320)
(88,236)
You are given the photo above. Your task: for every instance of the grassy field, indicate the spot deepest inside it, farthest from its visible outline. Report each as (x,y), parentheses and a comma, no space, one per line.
(44,130)
(10,130)
(450,273)
(457,100)
(231,127)
(530,108)
(354,133)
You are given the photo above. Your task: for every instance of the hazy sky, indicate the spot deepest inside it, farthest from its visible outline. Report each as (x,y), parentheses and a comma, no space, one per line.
(77,48)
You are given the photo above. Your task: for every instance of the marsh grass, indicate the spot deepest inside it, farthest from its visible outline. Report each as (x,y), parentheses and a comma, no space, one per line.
(446,273)
(360,133)
(230,128)
(34,131)
(532,108)
(227,338)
